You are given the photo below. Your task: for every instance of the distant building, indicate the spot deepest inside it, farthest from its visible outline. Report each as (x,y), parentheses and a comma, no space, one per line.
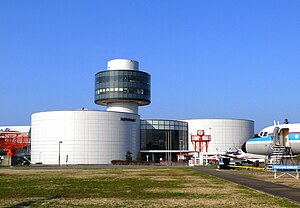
(226,134)
(98,137)
(159,137)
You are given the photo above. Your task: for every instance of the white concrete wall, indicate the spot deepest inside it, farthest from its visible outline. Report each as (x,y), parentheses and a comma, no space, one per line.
(89,137)
(126,107)
(226,134)
(122,64)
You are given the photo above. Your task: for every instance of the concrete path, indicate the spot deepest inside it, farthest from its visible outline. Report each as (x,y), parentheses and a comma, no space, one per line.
(267,187)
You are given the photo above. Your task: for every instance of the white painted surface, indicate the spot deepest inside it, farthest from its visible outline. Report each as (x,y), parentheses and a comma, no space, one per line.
(226,134)
(122,64)
(88,137)
(127,107)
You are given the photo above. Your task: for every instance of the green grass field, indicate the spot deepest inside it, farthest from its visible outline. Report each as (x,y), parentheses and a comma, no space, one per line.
(179,187)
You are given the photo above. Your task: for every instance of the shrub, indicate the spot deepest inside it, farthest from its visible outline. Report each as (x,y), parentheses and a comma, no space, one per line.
(128,156)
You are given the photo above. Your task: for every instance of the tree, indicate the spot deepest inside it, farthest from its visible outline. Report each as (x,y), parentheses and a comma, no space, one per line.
(2,151)
(139,157)
(128,156)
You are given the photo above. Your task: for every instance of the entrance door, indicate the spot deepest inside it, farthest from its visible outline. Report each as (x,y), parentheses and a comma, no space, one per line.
(284,137)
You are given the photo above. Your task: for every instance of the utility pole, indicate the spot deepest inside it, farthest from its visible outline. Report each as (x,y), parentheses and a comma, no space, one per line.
(59,152)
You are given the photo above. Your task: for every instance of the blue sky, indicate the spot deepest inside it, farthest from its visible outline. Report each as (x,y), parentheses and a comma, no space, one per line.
(207,59)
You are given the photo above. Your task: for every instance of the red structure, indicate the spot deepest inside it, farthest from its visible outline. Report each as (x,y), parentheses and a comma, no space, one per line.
(13,140)
(200,141)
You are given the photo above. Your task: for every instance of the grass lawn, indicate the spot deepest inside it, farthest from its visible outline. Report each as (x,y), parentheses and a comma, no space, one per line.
(179,187)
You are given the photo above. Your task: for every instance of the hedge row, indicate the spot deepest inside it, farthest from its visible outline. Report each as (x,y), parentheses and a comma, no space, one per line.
(124,162)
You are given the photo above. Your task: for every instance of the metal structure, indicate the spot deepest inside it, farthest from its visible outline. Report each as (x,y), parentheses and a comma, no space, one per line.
(60,142)
(200,141)
(13,140)
(169,147)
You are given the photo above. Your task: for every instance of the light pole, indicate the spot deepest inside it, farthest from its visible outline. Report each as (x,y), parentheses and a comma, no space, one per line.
(59,152)
(180,148)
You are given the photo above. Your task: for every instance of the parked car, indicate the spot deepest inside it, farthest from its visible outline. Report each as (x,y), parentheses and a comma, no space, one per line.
(23,161)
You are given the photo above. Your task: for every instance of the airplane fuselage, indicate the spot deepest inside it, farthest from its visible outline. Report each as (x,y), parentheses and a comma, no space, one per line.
(289,135)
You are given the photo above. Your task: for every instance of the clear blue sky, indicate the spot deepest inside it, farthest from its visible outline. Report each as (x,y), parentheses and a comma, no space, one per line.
(208,59)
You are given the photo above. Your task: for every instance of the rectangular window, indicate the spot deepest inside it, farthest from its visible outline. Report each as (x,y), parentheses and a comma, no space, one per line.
(161,122)
(155,126)
(161,127)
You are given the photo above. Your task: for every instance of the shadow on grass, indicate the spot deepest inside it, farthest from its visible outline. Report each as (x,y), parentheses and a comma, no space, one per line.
(31,202)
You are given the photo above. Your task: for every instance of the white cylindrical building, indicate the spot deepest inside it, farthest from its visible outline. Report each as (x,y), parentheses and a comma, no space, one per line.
(88,137)
(226,134)
(95,137)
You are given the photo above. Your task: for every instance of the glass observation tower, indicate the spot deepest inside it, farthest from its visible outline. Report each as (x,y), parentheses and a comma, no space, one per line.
(122,87)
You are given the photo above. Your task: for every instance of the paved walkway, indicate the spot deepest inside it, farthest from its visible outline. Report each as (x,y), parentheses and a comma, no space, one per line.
(267,187)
